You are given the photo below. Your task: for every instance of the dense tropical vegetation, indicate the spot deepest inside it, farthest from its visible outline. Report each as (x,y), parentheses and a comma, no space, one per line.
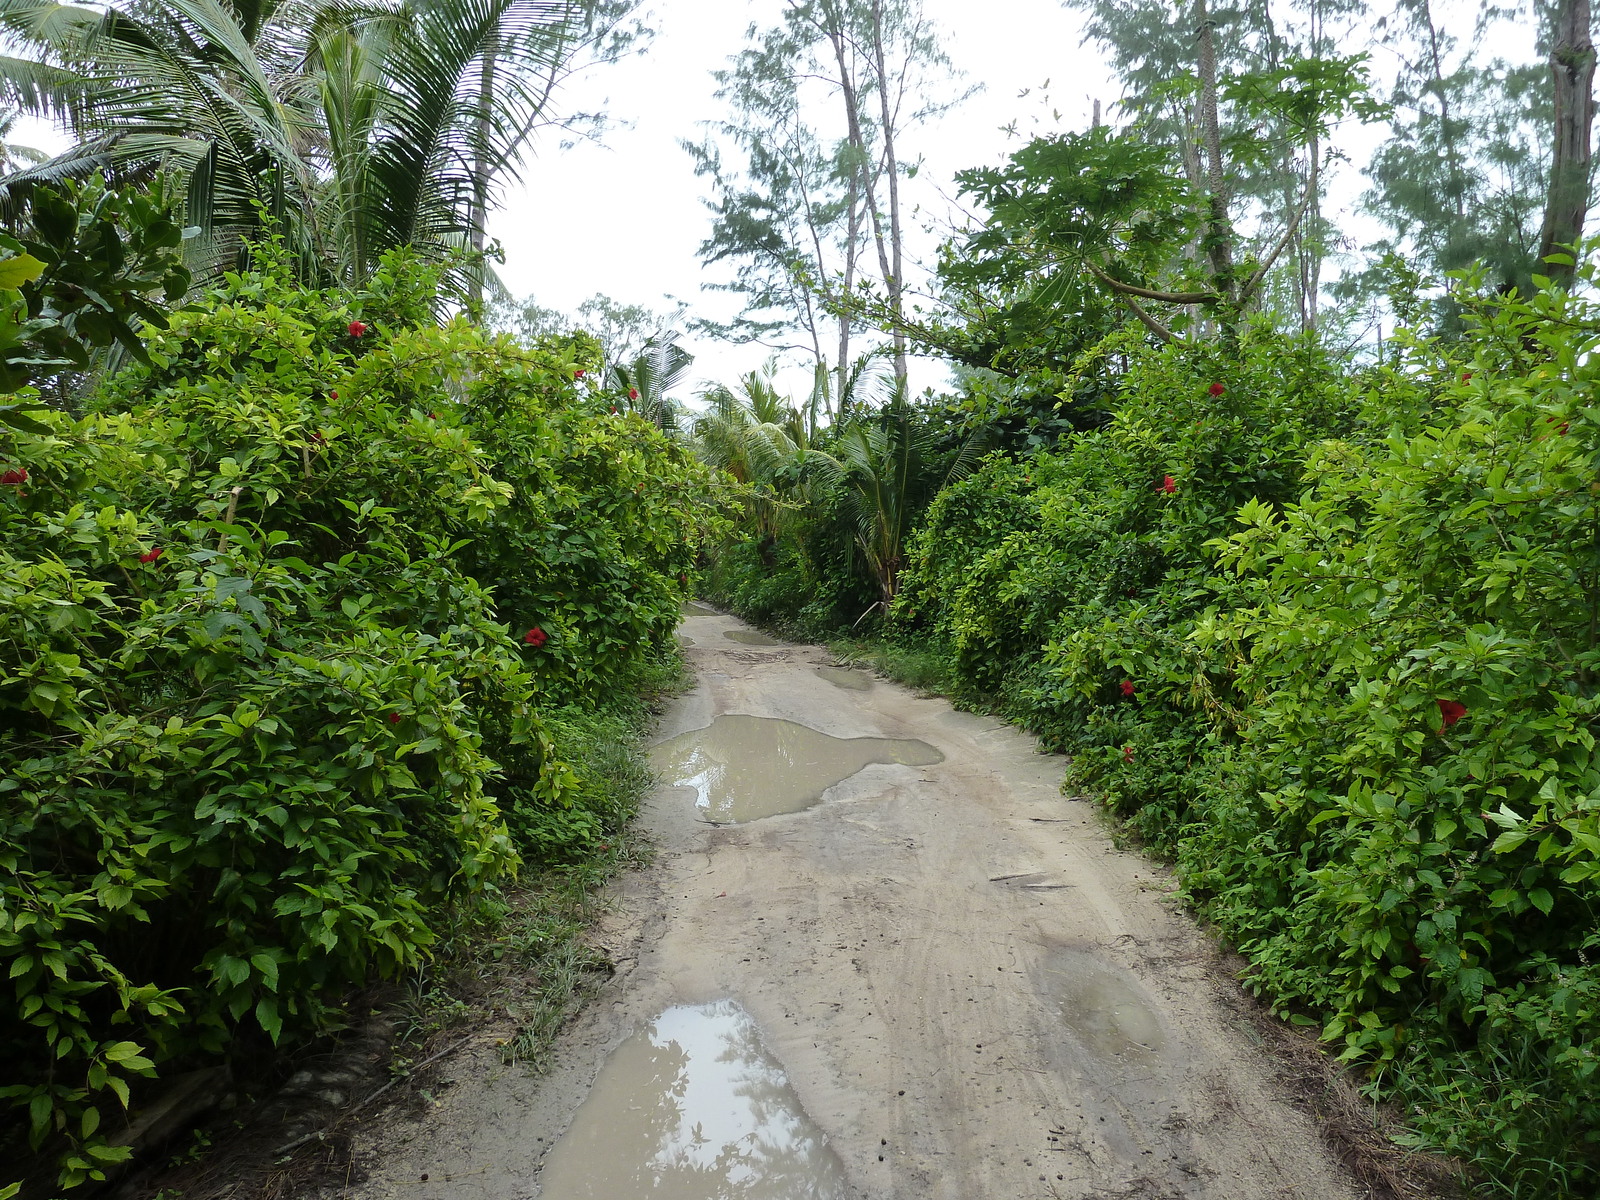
(318,595)
(296,618)
(1311,610)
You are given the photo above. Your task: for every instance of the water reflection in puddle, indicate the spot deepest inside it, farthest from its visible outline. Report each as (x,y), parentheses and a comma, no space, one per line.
(693,1108)
(1104,1007)
(750,637)
(683,641)
(747,767)
(695,609)
(844,677)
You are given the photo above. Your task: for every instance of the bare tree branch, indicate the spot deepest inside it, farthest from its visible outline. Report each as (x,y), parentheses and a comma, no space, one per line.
(1129,289)
(1149,322)
(1255,281)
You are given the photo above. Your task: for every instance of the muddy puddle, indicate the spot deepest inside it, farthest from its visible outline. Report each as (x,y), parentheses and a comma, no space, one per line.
(1104,1007)
(683,641)
(693,1107)
(844,677)
(695,609)
(749,637)
(744,768)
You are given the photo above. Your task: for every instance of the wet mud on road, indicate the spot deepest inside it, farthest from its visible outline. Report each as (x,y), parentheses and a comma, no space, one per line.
(921,974)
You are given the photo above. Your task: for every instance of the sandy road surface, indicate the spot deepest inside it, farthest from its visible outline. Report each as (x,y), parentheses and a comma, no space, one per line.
(973,994)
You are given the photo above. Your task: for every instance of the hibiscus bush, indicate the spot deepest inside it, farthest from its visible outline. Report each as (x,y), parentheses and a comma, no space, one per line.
(1410,847)
(1328,636)
(279,619)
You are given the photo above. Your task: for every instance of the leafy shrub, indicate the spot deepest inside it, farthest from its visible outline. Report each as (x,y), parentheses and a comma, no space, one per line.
(1419,639)
(1344,671)
(264,722)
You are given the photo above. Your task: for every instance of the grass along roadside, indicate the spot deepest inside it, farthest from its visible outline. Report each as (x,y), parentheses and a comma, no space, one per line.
(530,958)
(920,670)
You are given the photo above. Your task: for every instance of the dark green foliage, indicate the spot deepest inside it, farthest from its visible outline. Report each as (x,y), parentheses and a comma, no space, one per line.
(87,268)
(1276,706)
(1328,638)
(265,726)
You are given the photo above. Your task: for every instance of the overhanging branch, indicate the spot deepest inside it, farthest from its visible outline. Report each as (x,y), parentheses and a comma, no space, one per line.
(1149,322)
(1129,289)
(1249,289)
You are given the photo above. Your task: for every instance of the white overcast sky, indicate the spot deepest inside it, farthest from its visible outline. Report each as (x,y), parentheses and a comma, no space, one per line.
(625,218)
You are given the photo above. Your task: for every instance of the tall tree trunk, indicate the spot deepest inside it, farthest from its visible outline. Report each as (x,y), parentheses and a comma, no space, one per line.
(1452,152)
(481,168)
(1572,60)
(893,282)
(1189,123)
(852,245)
(1219,230)
(858,139)
(1311,232)
(1311,226)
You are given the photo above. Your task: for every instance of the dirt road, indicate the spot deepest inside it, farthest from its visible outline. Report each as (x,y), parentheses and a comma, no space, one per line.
(941,981)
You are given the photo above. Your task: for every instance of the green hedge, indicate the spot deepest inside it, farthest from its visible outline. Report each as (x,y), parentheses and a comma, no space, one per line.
(277,622)
(1329,639)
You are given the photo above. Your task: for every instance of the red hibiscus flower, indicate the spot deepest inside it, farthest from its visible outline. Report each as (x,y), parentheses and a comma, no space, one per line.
(536,637)
(150,555)
(333,395)
(578,374)
(1127,687)
(15,477)
(1466,377)
(1216,389)
(357,328)
(633,393)
(1450,711)
(394,718)
(1127,754)
(1168,485)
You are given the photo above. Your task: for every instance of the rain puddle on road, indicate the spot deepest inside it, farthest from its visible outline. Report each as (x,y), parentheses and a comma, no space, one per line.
(695,609)
(693,1107)
(750,637)
(844,677)
(747,767)
(1104,1007)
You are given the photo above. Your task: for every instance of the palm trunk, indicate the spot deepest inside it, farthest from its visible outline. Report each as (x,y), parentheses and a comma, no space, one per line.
(1219,230)
(481,169)
(1572,61)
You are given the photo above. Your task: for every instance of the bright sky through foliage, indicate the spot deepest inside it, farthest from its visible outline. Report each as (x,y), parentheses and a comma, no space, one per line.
(626,218)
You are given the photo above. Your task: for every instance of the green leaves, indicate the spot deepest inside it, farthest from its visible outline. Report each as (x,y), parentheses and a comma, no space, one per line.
(269,764)
(19,269)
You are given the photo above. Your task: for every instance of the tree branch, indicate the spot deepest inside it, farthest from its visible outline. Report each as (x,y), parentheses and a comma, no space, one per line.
(1128,289)
(1247,292)
(1149,322)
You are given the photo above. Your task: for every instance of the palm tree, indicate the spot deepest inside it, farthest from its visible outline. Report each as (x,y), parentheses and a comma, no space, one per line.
(756,435)
(12,156)
(354,125)
(887,466)
(659,367)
